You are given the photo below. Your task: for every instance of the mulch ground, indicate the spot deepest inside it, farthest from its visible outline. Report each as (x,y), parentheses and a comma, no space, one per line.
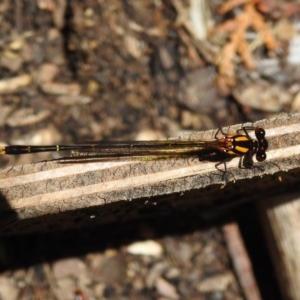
(94,70)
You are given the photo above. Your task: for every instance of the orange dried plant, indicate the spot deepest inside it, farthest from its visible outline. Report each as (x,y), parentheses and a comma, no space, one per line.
(248,18)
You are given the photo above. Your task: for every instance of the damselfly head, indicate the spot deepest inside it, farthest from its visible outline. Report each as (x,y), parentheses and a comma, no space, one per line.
(263,144)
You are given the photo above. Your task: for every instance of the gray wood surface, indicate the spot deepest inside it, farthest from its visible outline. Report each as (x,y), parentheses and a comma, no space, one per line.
(54,195)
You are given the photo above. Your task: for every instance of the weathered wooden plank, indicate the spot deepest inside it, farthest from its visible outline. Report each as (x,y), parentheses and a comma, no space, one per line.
(50,195)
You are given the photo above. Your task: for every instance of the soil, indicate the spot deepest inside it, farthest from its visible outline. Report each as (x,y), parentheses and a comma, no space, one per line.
(86,70)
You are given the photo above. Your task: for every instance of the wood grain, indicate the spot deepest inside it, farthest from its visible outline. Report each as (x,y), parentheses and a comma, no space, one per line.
(53,195)
(280,217)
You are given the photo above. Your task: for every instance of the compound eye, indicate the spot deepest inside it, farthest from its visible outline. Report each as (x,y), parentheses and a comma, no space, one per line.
(261,155)
(260,133)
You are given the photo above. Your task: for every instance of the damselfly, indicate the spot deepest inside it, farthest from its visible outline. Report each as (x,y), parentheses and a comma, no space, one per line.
(221,149)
